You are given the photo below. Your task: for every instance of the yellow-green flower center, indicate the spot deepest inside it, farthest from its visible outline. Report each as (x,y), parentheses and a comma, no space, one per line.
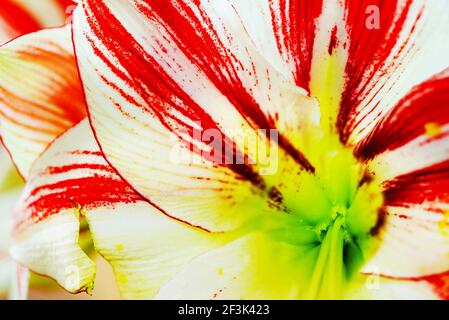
(331,217)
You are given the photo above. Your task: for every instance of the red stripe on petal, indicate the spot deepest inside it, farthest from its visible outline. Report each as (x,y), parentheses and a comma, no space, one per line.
(422,186)
(18,18)
(71,179)
(68,95)
(369,48)
(47,102)
(201,45)
(426,104)
(162,94)
(333,43)
(88,193)
(295,31)
(440,284)
(164,98)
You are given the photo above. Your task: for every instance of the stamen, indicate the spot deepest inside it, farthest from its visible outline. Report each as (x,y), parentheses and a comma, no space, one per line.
(433,129)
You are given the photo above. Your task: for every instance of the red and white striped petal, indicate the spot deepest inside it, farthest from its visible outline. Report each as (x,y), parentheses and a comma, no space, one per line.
(286,32)
(41,95)
(72,181)
(19,17)
(303,40)
(414,243)
(358,57)
(414,134)
(404,42)
(409,151)
(217,76)
(406,47)
(159,87)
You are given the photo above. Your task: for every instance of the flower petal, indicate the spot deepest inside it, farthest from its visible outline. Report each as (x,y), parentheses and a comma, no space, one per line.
(51,248)
(408,151)
(405,46)
(147,99)
(317,45)
(41,95)
(72,181)
(146,248)
(416,238)
(19,17)
(284,32)
(243,78)
(414,243)
(60,187)
(243,269)
(439,283)
(414,134)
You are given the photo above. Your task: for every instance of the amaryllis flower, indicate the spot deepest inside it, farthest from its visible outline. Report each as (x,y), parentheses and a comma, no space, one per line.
(241,149)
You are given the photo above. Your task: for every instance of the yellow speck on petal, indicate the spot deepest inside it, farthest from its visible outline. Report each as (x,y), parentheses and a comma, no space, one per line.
(433,129)
(443,225)
(122,278)
(119,247)
(220,271)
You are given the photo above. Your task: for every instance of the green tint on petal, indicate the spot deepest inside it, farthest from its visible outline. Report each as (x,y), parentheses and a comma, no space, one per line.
(309,192)
(327,221)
